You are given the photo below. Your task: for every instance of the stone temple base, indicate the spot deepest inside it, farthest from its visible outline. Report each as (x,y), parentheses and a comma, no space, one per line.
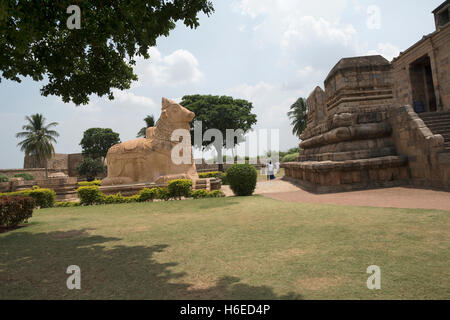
(341,176)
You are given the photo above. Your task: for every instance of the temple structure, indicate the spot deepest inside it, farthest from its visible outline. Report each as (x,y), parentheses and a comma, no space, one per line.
(381,123)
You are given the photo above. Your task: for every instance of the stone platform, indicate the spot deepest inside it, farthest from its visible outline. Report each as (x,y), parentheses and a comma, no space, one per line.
(348,143)
(339,176)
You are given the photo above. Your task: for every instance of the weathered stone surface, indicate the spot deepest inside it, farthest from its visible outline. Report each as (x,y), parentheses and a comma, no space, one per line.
(149,159)
(371,136)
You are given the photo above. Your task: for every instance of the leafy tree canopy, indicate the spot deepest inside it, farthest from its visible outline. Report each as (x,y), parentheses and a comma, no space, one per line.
(91,168)
(39,137)
(298,116)
(35,41)
(97,141)
(221,113)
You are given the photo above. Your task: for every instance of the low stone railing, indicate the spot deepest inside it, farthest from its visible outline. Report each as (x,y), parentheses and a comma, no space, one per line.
(427,164)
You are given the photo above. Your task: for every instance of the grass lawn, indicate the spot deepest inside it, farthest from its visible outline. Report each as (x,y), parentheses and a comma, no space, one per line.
(229,248)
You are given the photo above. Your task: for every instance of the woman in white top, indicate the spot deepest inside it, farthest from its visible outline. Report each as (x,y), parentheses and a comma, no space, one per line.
(270,171)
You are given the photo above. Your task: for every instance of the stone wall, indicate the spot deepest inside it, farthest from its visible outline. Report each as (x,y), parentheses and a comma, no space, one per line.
(428,166)
(37,173)
(59,162)
(351,147)
(436,48)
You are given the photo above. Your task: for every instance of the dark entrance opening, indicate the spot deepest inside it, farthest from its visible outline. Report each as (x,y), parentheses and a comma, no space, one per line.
(424,97)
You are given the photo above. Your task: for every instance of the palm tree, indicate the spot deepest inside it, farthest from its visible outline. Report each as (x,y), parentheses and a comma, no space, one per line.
(38,139)
(298,117)
(150,122)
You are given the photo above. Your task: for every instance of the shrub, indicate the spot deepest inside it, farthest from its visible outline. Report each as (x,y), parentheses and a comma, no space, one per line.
(216,194)
(90,183)
(90,195)
(90,168)
(111,199)
(214,174)
(242,179)
(15,210)
(43,198)
(199,194)
(3,178)
(290,157)
(147,194)
(66,204)
(163,194)
(25,176)
(180,188)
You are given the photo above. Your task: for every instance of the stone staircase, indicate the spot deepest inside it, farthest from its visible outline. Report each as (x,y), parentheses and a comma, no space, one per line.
(439,123)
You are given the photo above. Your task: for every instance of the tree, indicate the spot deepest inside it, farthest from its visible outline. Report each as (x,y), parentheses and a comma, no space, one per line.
(97,141)
(35,41)
(91,168)
(219,113)
(298,117)
(150,122)
(39,139)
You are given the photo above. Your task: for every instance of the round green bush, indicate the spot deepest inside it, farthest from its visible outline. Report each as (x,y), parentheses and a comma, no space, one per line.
(15,210)
(180,188)
(199,194)
(242,179)
(25,176)
(163,194)
(3,178)
(216,194)
(90,195)
(148,194)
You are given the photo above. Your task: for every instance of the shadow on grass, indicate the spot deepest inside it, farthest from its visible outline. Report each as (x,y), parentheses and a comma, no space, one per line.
(33,266)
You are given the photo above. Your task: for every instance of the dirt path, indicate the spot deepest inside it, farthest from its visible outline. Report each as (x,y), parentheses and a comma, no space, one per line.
(386,198)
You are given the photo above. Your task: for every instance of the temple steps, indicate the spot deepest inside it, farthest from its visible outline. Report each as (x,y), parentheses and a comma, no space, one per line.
(439,123)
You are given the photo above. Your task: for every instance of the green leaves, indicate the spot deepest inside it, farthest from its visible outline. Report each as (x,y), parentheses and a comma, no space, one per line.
(39,137)
(91,168)
(35,41)
(221,113)
(298,116)
(97,141)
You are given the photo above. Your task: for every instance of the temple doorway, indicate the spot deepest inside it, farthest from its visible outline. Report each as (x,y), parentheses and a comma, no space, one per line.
(423,94)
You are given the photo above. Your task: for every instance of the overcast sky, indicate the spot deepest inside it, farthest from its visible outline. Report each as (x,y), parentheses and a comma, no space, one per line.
(269,52)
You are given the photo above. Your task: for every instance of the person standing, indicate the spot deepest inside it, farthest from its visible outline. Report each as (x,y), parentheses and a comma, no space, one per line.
(277,167)
(270,171)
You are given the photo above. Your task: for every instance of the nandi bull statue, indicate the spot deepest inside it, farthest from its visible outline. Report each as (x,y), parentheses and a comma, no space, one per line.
(149,159)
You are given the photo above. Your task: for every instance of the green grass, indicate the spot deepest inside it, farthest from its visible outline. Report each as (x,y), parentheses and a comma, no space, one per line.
(231,248)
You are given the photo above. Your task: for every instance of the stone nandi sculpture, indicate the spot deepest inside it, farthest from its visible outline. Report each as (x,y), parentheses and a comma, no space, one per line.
(149,159)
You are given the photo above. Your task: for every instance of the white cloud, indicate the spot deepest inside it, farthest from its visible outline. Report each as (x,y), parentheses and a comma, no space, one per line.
(387,50)
(178,68)
(271,104)
(304,79)
(308,32)
(128,98)
(308,29)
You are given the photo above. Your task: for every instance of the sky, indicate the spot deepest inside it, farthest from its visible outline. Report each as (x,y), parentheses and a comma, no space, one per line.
(269,52)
